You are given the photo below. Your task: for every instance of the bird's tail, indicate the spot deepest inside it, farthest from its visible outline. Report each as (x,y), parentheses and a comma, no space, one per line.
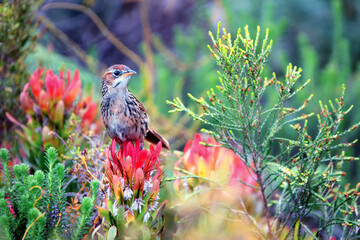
(153,137)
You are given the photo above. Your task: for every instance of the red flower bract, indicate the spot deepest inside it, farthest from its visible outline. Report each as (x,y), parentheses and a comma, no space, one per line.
(131,160)
(73,87)
(36,83)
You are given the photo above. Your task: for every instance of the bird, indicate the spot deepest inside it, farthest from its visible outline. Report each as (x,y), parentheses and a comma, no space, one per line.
(124,116)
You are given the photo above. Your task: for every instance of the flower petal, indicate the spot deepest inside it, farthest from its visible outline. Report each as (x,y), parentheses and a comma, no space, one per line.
(115,159)
(73,89)
(139,180)
(129,216)
(35,83)
(50,84)
(25,101)
(155,190)
(118,189)
(141,158)
(43,100)
(128,169)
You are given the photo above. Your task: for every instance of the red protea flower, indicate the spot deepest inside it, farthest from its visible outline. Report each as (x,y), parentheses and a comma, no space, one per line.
(134,177)
(210,186)
(56,101)
(55,90)
(48,105)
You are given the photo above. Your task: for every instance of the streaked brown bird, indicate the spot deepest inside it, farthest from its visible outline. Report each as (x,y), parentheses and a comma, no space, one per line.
(124,116)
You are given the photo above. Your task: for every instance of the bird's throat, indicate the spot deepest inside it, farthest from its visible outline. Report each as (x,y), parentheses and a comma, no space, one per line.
(117,84)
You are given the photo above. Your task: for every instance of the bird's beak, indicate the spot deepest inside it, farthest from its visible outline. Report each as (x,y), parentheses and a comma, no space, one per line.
(130,72)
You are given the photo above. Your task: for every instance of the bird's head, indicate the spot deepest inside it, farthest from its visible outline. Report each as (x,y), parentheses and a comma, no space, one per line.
(118,76)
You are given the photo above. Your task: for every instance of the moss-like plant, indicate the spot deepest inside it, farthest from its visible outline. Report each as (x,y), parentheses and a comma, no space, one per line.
(32,206)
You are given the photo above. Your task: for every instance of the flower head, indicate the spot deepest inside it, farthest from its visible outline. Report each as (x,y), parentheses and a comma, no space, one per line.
(55,89)
(49,100)
(216,163)
(135,176)
(57,100)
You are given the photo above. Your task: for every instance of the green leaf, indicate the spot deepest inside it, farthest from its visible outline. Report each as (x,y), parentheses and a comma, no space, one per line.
(111,234)
(104,213)
(146,234)
(100,237)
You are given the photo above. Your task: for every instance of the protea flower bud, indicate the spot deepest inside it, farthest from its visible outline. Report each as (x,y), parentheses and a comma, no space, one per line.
(25,101)
(43,101)
(216,163)
(46,138)
(59,114)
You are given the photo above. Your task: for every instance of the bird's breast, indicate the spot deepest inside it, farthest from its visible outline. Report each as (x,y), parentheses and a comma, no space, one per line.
(124,119)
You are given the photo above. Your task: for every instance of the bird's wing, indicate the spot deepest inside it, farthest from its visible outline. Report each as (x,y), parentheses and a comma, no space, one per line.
(153,137)
(134,99)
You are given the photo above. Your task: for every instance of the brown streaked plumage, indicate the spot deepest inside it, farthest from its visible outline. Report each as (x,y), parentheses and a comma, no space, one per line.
(124,116)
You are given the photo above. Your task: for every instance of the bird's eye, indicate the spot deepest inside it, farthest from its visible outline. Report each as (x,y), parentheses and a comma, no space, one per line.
(116,73)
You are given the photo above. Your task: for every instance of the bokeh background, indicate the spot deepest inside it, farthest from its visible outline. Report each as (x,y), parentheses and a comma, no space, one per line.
(165,41)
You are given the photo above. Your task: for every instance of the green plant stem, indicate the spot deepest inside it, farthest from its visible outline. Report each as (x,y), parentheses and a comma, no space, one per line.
(267,215)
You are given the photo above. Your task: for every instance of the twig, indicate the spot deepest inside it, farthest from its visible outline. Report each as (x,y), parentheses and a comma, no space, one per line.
(91,62)
(101,26)
(40,215)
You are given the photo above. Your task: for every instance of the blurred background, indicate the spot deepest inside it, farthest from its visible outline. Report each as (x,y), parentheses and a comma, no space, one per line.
(165,41)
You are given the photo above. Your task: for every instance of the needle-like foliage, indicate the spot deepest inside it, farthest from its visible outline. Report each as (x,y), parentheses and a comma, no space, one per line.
(32,206)
(298,175)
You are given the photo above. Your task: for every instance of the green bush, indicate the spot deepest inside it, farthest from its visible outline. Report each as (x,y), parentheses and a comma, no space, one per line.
(302,171)
(17,38)
(32,206)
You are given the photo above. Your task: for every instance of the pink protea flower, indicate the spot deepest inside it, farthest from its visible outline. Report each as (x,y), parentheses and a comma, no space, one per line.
(57,100)
(215,163)
(55,90)
(210,186)
(133,176)
(48,105)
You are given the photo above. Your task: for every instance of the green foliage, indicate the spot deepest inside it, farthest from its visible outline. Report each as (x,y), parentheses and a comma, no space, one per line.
(33,205)
(83,222)
(17,38)
(303,171)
